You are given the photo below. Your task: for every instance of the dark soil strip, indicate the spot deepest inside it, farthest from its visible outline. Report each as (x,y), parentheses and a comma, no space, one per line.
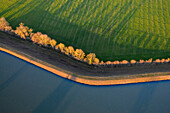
(69,64)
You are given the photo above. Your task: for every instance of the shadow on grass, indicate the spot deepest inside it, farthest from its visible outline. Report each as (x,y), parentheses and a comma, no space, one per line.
(13,6)
(115,42)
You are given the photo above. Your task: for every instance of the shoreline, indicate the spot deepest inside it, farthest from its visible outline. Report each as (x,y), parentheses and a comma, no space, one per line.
(89,81)
(89,75)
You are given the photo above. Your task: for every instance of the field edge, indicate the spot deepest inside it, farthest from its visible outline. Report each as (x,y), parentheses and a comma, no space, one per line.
(87,79)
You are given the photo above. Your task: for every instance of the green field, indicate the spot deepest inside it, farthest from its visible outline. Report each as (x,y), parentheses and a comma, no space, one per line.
(113,29)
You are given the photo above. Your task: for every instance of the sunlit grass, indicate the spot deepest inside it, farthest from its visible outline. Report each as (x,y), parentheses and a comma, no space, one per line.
(113,29)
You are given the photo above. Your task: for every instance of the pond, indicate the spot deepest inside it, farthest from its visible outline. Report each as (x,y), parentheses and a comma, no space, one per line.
(26,88)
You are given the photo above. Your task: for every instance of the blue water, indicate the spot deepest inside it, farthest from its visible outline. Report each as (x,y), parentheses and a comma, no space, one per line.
(25,88)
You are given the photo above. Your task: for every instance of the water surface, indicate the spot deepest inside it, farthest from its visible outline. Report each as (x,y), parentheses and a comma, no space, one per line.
(26,88)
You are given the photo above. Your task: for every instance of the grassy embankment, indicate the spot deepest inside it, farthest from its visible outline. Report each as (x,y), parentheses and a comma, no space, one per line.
(114,30)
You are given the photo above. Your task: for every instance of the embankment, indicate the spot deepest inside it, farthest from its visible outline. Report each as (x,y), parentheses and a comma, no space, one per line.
(69,68)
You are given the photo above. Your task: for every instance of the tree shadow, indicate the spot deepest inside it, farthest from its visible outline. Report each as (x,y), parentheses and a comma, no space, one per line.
(13,6)
(113,43)
(144,98)
(139,46)
(12,78)
(53,100)
(29,8)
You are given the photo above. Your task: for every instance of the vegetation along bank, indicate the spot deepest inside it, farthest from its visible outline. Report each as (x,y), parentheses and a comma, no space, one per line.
(53,58)
(40,39)
(113,29)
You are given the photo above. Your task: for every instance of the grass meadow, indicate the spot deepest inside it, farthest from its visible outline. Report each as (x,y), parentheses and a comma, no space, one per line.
(113,29)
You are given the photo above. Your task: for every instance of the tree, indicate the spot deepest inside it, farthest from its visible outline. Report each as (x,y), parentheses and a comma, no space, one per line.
(133,61)
(167,60)
(36,37)
(44,40)
(116,62)
(124,62)
(30,32)
(56,47)
(4,25)
(141,61)
(108,62)
(96,61)
(66,50)
(53,43)
(71,50)
(23,31)
(149,61)
(8,28)
(79,54)
(61,47)
(157,61)
(90,57)
(102,63)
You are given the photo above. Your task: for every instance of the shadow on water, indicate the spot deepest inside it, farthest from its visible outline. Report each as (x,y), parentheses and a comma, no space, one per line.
(12,78)
(65,96)
(144,97)
(53,100)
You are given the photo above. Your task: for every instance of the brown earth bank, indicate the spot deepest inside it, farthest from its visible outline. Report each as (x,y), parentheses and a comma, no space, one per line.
(70,68)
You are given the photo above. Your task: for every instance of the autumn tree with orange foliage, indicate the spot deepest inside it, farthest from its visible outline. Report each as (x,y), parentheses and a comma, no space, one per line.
(60,46)
(66,50)
(4,25)
(79,54)
(36,37)
(53,43)
(23,31)
(71,50)
(43,39)
(91,58)
(96,61)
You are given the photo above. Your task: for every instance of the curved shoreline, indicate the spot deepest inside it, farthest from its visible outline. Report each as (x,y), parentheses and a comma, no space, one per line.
(77,71)
(87,80)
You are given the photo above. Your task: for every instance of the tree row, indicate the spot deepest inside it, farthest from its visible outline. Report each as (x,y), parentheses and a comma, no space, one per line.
(40,39)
